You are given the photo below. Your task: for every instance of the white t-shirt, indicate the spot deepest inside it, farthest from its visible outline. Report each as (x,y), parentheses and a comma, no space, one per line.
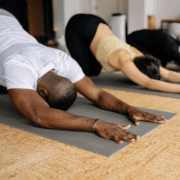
(23,60)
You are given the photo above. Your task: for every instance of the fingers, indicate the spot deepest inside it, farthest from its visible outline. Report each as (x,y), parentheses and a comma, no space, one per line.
(125,127)
(135,120)
(153,118)
(115,132)
(120,135)
(144,116)
(116,139)
(159,119)
(129,137)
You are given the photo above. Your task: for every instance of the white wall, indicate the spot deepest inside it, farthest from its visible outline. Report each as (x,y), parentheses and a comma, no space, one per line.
(64,10)
(166,9)
(123,6)
(71,7)
(148,10)
(105,8)
(85,6)
(136,15)
(58,15)
(138,10)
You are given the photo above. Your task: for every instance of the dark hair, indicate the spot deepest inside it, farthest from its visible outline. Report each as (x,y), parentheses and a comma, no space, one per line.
(148,65)
(63,95)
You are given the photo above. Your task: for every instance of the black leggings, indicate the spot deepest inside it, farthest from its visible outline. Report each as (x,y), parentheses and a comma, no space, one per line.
(156,43)
(79,33)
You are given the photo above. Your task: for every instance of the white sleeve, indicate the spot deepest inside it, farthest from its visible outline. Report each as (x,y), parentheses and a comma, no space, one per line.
(69,68)
(75,71)
(19,76)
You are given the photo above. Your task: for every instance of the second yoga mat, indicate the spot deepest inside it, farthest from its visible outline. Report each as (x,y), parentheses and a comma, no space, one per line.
(121,82)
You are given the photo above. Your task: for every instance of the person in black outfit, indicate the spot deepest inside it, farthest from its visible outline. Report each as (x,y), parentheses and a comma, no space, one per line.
(79,33)
(157,43)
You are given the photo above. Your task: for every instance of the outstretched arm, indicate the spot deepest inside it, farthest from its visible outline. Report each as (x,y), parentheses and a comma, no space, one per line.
(107,101)
(122,60)
(170,76)
(31,105)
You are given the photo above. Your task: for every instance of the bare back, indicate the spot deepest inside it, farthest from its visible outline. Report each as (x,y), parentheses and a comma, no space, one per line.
(103,31)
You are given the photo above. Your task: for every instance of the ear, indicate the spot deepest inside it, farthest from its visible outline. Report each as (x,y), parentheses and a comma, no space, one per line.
(42,92)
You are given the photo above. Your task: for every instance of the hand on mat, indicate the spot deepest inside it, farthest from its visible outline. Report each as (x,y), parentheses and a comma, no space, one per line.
(137,115)
(115,132)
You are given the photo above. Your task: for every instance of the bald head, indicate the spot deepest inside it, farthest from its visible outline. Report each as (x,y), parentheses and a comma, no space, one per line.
(58,91)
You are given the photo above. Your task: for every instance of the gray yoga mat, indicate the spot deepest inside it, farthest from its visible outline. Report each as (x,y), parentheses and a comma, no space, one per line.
(173,67)
(86,140)
(121,82)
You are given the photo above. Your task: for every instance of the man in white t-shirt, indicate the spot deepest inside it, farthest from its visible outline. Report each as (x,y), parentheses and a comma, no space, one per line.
(42,84)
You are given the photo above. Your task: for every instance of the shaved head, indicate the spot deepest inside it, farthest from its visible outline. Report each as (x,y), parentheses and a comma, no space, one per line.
(59,92)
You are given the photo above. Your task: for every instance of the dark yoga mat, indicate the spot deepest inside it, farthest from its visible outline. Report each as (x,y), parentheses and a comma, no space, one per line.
(86,140)
(173,67)
(121,82)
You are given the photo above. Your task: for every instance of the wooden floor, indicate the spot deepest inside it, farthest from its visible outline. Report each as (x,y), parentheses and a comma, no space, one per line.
(156,156)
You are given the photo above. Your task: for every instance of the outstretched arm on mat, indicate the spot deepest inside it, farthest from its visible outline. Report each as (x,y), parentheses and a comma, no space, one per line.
(170,76)
(109,102)
(31,105)
(35,108)
(121,60)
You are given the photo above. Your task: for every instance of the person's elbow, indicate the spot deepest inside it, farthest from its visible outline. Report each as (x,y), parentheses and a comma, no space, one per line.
(40,120)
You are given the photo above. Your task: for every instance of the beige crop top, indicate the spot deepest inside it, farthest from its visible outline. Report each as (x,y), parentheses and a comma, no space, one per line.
(107,47)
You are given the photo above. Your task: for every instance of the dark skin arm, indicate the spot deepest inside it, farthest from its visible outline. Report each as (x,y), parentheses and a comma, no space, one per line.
(31,105)
(36,109)
(109,102)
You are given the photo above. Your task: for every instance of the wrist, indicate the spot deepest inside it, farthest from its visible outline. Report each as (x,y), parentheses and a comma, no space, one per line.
(94,126)
(130,109)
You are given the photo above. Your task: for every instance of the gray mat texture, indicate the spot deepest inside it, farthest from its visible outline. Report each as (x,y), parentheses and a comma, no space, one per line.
(86,140)
(121,82)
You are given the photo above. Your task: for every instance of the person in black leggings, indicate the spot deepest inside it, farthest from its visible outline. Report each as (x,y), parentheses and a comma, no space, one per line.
(157,43)
(80,31)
